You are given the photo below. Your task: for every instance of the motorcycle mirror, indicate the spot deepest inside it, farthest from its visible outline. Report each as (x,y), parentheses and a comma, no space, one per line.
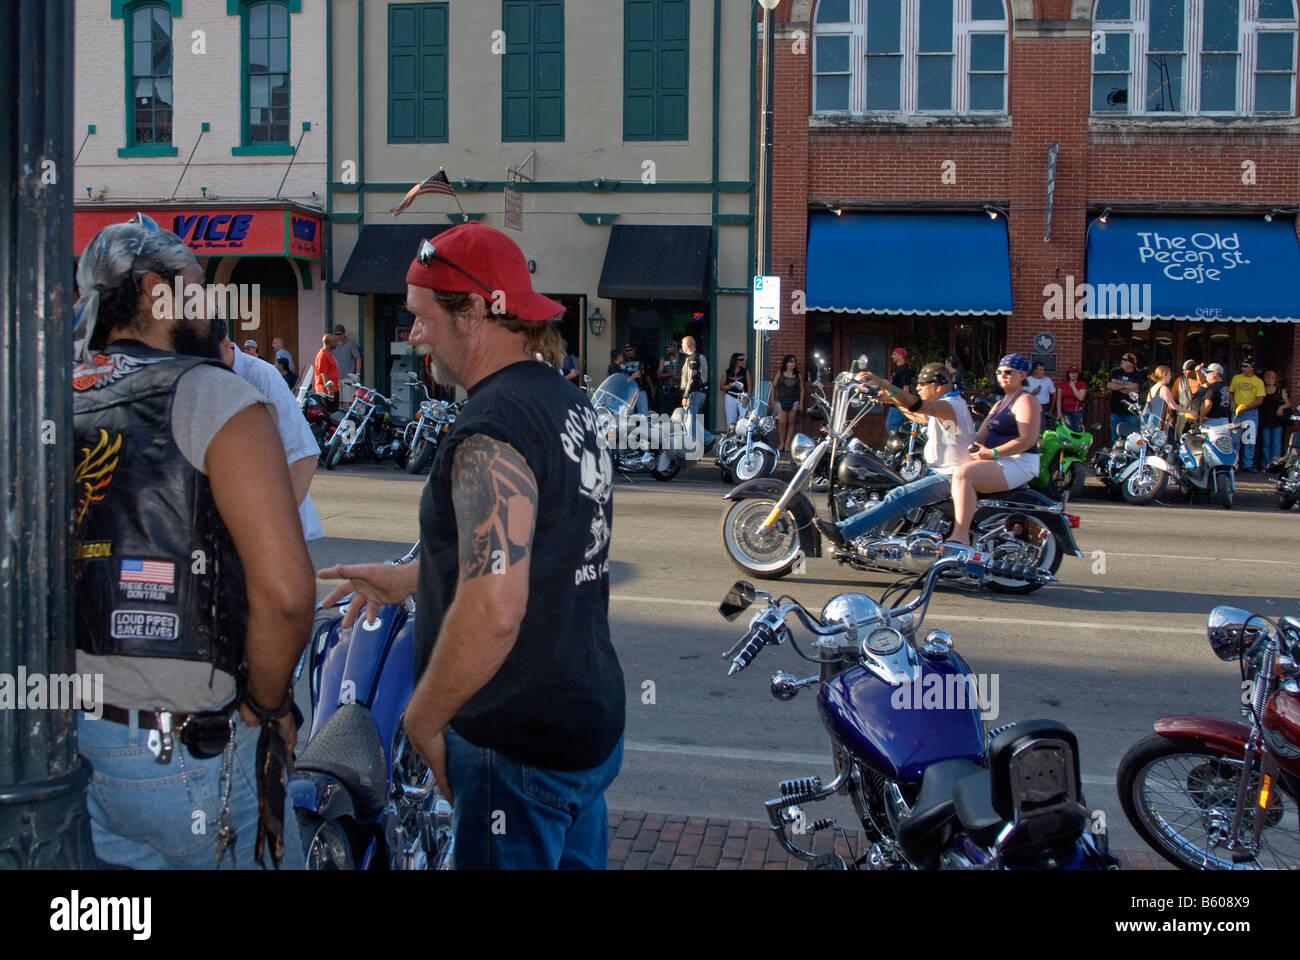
(1227,633)
(738,599)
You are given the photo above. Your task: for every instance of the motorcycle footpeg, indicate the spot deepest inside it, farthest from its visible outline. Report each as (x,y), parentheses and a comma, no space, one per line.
(800,790)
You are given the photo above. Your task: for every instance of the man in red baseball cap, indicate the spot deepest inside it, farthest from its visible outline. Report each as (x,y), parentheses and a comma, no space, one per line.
(519,710)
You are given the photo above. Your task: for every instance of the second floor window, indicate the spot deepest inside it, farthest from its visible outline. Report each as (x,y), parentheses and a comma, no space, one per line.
(656,69)
(266,72)
(532,70)
(1194,56)
(417,73)
(149,73)
(910,56)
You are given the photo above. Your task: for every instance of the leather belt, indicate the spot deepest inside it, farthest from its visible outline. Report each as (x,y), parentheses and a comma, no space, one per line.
(169,725)
(149,720)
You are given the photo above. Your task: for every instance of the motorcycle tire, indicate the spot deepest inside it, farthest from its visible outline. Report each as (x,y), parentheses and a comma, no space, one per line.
(766,555)
(325,842)
(1078,479)
(1139,493)
(912,468)
(318,433)
(759,463)
(334,453)
(1223,491)
(1208,782)
(421,454)
(1052,549)
(1285,501)
(674,468)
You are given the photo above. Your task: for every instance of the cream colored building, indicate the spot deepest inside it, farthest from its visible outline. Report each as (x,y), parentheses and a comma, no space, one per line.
(210,116)
(631,120)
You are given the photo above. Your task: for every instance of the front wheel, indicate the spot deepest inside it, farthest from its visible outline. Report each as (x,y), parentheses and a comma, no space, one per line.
(674,468)
(1144,484)
(1223,490)
(325,842)
(1180,796)
(912,468)
(757,463)
(334,452)
(768,553)
(1078,479)
(421,454)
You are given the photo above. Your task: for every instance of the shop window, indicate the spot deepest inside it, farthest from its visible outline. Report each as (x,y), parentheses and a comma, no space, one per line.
(265,34)
(1157,57)
(417,73)
(149,76)
(656,69)
(910,56)
(532,70)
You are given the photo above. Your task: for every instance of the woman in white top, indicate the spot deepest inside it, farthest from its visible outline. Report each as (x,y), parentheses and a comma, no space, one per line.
(950,432)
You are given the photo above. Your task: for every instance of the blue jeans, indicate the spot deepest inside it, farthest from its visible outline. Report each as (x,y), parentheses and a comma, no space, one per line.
(894,419)
(1271,443)
(508,815)
(932,488)
(153,816)
(1073,420)
(1118,420)
(1239,438)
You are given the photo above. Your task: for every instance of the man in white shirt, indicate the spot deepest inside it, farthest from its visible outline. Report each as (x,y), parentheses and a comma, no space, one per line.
(1041,387)
(949,433)
(280,353)
(300,447)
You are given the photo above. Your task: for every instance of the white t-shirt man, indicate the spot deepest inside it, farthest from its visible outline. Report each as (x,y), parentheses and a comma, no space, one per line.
(295,435)
(947,442)
(1041,388)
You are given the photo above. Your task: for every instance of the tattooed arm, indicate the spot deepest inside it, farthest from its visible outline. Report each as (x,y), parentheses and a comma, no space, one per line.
(495,498)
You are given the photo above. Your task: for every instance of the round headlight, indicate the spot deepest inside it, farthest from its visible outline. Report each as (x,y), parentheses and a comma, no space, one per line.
(767,424)
(800,447)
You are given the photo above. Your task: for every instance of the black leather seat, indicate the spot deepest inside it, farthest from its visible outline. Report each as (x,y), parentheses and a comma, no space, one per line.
(933,821)
(348,749)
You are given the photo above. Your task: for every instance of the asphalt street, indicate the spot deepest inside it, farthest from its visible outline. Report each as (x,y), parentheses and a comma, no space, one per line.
(1117,643)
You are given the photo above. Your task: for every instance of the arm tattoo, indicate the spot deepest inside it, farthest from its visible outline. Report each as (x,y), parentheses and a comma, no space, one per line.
(495,497)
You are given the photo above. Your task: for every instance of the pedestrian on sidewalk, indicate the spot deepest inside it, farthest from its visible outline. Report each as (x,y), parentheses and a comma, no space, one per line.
(695,386)
(519,708)
(1247,395)
(901,378)
(325,379)
(1276,403)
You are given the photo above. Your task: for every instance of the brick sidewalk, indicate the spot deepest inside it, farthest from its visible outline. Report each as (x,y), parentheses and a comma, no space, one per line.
(659,841)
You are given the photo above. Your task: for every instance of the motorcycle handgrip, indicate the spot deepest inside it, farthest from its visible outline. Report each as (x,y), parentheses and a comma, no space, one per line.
(754,642)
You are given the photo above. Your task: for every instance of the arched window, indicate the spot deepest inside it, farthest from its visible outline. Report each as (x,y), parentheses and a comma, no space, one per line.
(149,74)
(266,72)
(910,56)
(1194,56)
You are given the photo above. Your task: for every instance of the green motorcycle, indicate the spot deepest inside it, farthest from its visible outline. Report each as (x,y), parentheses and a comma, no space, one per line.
(1062,456)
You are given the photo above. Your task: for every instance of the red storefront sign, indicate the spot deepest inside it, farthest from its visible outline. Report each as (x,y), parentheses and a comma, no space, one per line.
(212,231)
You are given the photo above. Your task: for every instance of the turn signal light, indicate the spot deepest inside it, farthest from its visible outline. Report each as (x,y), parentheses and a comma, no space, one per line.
(1074,520)
(1263,792)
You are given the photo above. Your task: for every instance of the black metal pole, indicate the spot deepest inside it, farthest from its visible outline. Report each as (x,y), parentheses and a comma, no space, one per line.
(43,819)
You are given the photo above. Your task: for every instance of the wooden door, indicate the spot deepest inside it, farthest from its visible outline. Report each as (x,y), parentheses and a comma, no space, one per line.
(873,339)
(278,317)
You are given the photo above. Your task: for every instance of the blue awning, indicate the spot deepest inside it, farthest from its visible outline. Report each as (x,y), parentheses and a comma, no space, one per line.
(1185,268)
(951,264)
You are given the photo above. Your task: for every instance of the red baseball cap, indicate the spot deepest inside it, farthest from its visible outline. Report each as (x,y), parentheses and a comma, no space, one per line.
(899,352)
(475,258)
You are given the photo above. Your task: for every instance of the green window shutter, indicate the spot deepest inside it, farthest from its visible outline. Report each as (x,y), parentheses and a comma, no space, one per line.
(532,70)
(417,73)
(656,69)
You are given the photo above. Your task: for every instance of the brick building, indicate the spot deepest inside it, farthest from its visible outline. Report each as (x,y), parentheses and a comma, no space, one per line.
(911,153)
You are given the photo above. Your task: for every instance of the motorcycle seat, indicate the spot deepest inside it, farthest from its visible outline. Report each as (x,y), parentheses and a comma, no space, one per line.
(927,830)
(347,748)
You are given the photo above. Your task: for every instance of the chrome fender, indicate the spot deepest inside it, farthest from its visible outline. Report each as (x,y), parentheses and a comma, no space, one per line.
(1157,462)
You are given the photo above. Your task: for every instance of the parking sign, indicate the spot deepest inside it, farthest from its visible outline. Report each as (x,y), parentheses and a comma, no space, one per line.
(767,303)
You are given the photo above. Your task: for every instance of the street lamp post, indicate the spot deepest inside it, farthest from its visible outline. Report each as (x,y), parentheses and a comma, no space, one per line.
(43,819)
(763,254)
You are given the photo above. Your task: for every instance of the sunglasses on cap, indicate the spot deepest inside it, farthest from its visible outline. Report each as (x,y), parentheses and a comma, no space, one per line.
(429,254)
(938,379)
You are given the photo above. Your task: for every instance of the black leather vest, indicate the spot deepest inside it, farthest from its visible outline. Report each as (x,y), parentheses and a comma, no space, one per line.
(156,572)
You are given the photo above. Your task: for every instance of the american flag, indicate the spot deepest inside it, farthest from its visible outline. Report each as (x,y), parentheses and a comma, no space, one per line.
(438,183)
(147,571)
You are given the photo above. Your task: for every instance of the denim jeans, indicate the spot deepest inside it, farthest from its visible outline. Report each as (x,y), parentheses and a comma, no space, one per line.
(932,488)
(508,815)
(1239,438)
(1270,444)
(154,816)
(697,403)
(1073,420)
(1118,420)
(894,419)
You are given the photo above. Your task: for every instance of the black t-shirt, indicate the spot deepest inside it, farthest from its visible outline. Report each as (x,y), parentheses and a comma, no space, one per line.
(1117,397)
(1268,410)
(1220,401)
(902,377)
(558,700)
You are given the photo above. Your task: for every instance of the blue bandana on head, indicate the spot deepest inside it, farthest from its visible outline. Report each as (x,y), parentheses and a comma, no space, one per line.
(1014,361)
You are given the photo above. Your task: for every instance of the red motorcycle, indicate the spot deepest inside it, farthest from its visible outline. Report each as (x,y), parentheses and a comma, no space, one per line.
(1211,794)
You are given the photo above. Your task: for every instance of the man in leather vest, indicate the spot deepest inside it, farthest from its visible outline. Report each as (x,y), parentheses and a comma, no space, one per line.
(193,586)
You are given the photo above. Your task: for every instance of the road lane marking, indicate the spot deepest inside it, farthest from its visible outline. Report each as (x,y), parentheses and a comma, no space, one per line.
(960,618)
(765,756)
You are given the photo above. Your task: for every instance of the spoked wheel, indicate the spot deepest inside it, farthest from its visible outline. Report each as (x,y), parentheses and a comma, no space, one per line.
(1144,484)
(912,468)
(758,463)
(419,832)
(1180,796)
(1036,546)
(768,553)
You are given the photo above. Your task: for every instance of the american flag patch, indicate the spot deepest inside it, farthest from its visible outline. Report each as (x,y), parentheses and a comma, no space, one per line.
(158,572)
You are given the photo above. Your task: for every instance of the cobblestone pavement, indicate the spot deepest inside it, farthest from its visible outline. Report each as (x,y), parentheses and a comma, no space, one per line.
(658,841)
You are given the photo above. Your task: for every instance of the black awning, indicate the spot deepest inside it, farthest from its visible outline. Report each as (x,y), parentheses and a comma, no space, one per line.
(382,255)
(657,262)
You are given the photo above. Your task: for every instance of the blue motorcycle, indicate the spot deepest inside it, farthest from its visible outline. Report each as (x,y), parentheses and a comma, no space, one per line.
(363,797)
(930,789)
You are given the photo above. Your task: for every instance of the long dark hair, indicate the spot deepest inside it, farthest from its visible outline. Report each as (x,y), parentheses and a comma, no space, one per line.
(734,356)
(786,359)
